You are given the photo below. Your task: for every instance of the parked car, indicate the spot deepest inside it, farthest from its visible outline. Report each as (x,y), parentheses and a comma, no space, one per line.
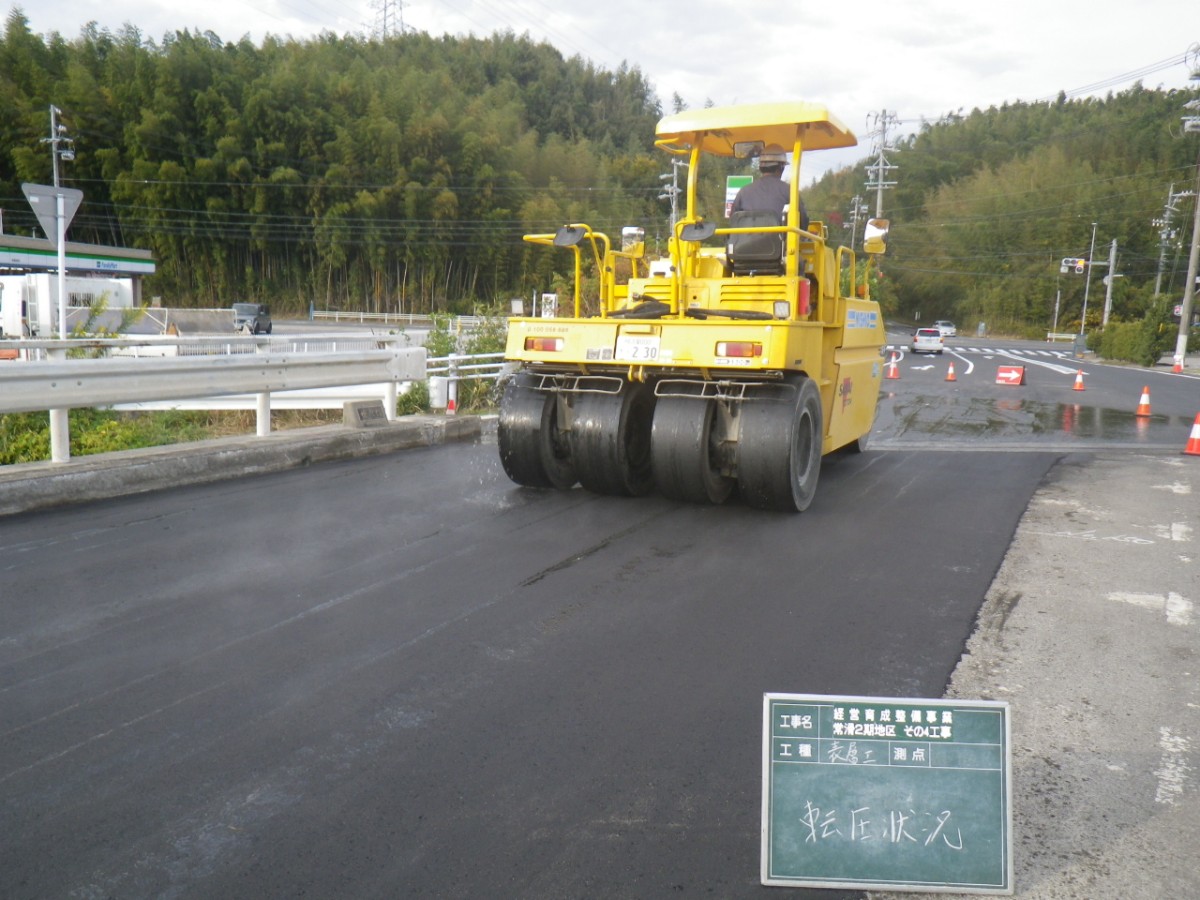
(927,340)
(252,317)
(946,327)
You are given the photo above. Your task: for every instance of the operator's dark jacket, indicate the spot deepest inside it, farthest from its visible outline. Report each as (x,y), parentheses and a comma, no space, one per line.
(766,193)
(769,193)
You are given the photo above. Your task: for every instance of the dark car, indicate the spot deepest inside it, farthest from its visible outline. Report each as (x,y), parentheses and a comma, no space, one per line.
(252,317)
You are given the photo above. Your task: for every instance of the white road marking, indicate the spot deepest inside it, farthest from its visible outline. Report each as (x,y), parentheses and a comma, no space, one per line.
(1172,772)
(1177,608)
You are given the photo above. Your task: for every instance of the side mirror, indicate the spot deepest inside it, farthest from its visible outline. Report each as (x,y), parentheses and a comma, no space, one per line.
(569,236)
(874,236)
(697,231)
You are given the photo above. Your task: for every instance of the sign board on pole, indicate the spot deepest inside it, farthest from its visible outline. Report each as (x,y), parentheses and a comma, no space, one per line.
(43,198)
(886,793)
(733,184)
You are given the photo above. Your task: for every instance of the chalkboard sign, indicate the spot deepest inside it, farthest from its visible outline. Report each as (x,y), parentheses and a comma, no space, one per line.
(886,793)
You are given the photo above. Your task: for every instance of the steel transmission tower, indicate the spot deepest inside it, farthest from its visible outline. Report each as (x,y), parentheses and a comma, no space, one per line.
(389,18)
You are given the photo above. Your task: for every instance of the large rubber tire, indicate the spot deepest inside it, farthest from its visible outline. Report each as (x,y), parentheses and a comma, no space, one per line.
(532,451)
(610,441)
(779,449)
(683,451)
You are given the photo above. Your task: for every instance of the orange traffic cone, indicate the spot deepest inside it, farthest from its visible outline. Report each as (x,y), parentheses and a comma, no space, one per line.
(1178,367)
(451,407)
(1079,381)
(950,376)
(893,371)
(1144,404)
(1193,444)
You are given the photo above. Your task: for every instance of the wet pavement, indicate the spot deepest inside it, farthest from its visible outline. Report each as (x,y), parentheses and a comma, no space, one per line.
(1060,404)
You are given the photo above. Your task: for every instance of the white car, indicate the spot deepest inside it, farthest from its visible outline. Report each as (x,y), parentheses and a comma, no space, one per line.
(927,340)
(946,327)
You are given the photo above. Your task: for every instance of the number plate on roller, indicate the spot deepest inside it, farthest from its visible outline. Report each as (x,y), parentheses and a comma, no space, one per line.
(637,347)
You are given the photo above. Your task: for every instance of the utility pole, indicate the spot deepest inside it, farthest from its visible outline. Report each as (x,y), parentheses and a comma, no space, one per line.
(58,135)
(857,209)
(671,191)
(1108,282)
(1191,124)
(1087,282)
(1167,233)
(878,170)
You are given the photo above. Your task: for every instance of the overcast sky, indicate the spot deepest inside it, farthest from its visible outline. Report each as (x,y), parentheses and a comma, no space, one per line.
(919,59)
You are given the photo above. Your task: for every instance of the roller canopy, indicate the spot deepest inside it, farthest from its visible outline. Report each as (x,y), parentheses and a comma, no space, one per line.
(716,129)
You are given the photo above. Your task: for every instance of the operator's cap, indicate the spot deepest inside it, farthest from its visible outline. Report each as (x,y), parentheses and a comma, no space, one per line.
(773,154)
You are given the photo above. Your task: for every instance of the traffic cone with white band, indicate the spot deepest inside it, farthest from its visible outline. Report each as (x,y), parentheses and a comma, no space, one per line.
(1143,409)
(1193,444)
(893,371)
(950,376)
(1079,381)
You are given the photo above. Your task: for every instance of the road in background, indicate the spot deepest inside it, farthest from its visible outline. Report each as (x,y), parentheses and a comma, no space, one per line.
(921,408)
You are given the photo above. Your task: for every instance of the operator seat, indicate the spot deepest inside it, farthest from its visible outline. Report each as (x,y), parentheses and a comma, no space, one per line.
(755,254)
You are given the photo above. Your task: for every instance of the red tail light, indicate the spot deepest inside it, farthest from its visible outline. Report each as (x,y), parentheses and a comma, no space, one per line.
(544,344)
(739,348)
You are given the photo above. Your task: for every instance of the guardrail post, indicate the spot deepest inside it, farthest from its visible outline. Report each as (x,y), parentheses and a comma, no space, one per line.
(391,395)
(60,436)
(264,414)
(60,423)
(452,394)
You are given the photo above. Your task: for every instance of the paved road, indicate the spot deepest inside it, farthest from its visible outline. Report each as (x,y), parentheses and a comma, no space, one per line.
(921,408)
(405,677)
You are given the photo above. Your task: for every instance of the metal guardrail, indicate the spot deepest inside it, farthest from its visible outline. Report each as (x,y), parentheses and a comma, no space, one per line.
(334,315)
(218,372)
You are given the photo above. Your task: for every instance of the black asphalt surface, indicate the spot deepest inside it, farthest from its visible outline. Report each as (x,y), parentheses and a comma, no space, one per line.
(404,676)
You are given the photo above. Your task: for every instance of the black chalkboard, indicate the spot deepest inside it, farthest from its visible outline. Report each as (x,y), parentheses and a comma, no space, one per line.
(892,793)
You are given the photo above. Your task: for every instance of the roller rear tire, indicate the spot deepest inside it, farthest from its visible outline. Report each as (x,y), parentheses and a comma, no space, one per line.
(610,441)
(532,450)
(779,448)
(684,452)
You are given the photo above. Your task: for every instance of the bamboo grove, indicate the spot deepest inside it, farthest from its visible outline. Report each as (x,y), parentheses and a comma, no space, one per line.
(393,174)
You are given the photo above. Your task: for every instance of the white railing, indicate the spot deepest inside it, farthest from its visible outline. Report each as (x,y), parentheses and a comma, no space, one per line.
(221,372)
(334,315)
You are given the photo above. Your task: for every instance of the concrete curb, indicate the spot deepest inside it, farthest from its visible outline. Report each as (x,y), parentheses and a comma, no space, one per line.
(26,487)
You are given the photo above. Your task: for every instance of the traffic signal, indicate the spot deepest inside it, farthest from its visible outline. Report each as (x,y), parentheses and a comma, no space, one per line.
(1073,262)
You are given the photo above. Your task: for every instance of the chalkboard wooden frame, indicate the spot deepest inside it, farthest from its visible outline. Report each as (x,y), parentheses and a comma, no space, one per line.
(887,793)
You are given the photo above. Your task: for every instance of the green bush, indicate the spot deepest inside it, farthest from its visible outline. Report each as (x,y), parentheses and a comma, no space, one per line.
(1143,342)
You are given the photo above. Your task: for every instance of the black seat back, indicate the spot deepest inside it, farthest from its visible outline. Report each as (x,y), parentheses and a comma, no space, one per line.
(761,254)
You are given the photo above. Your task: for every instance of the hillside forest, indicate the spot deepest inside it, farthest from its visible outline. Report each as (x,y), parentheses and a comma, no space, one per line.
(398,174)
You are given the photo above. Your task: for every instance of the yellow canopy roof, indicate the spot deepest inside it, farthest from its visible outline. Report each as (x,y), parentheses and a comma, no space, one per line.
(717,128)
